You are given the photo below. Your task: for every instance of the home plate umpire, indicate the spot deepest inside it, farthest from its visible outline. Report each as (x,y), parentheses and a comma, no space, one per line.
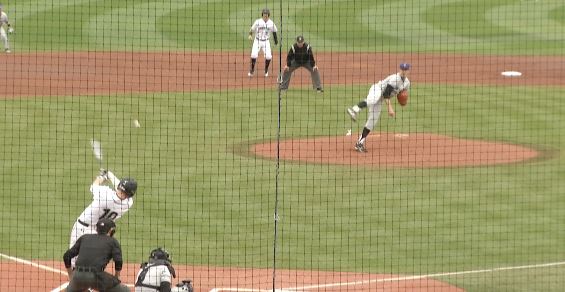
(94,251)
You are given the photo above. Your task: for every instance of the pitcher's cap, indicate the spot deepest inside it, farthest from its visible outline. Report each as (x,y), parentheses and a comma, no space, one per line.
(405,66)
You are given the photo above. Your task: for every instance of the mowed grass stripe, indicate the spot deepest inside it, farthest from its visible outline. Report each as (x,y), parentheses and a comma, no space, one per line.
(485,27)
(217,205)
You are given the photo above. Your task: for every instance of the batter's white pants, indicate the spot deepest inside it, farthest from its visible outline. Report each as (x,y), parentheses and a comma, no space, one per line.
(261,45)
(374,104)
(78,231)
(4,38)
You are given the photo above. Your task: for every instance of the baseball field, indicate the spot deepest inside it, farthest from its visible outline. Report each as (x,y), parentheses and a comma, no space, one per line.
(250,190)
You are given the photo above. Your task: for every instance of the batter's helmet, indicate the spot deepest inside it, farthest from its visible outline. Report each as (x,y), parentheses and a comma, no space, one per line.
(266,11)
(104,225)
(128,185)
(160,254)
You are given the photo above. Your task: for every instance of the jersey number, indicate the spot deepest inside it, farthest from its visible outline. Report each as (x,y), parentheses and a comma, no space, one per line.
(109,214)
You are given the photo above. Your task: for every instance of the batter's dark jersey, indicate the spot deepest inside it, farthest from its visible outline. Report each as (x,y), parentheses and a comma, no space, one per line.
(95,251)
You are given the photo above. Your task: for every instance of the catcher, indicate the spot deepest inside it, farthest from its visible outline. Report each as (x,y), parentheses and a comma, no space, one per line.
(155,274)
(384,89)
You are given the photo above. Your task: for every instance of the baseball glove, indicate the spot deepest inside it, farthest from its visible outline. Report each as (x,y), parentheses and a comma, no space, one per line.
(402,97)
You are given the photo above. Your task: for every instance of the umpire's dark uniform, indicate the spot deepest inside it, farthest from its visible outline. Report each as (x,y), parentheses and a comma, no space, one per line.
(94,252)
(301,55)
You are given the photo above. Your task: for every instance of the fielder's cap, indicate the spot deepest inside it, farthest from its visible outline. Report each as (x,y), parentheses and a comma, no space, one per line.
(299,39)
(405,66)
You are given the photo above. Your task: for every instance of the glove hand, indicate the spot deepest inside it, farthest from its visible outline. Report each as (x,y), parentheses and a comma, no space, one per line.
(250,37)
(10,30)
(103,174)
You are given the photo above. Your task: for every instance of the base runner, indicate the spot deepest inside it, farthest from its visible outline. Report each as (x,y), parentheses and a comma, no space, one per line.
(262,27)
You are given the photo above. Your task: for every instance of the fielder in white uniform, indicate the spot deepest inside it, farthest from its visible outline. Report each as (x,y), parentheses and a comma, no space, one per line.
(3,36)
(384,89)
(262,28)
(155,275)
(106,203)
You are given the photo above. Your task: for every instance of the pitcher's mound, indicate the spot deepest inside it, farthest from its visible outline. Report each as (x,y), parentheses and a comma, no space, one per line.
(398,150)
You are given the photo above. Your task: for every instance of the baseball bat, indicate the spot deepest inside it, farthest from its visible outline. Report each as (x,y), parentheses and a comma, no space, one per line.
(97,149)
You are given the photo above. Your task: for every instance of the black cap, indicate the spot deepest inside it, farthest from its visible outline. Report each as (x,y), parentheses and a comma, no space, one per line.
(104,225)
(299,39)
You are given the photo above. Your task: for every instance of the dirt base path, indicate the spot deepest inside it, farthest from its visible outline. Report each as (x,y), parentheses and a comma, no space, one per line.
(104,73)
(25,277)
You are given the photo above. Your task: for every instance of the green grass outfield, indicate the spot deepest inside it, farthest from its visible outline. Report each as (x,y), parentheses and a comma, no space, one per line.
(476,26)
(210,205)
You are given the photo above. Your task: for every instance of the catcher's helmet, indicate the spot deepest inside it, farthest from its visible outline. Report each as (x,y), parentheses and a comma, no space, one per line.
(128,185)
(266,11)
(104,225)
(160,254)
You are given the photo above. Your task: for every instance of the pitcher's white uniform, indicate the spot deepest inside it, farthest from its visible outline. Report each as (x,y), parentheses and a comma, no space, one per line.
(262,30)
(3,35)
(105,204)
(375,97)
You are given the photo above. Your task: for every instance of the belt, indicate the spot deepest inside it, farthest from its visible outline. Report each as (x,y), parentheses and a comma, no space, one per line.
(87,269)
(262,40)
(82,223)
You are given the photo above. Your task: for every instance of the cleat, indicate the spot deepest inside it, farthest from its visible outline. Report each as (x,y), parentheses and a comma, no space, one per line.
(352,114)
(319,90)
(360,147)
(7,51)
(250,73)
(266,74)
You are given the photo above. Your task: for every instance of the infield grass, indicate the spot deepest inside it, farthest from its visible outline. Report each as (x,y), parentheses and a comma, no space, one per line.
(213,206)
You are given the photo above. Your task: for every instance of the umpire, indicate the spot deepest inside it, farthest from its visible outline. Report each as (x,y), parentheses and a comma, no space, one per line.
(301,55)
(94,252)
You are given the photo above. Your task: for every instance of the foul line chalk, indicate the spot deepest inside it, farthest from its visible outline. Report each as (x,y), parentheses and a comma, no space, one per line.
(45,268)
(437,275)
(26,262)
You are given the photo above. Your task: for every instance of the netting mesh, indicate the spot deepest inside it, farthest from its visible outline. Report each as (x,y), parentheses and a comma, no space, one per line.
(254,175)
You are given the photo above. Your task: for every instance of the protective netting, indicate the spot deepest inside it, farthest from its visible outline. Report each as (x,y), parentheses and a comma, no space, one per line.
(302,173)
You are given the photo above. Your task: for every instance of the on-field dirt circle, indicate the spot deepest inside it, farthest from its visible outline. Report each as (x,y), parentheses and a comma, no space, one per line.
(113,73)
